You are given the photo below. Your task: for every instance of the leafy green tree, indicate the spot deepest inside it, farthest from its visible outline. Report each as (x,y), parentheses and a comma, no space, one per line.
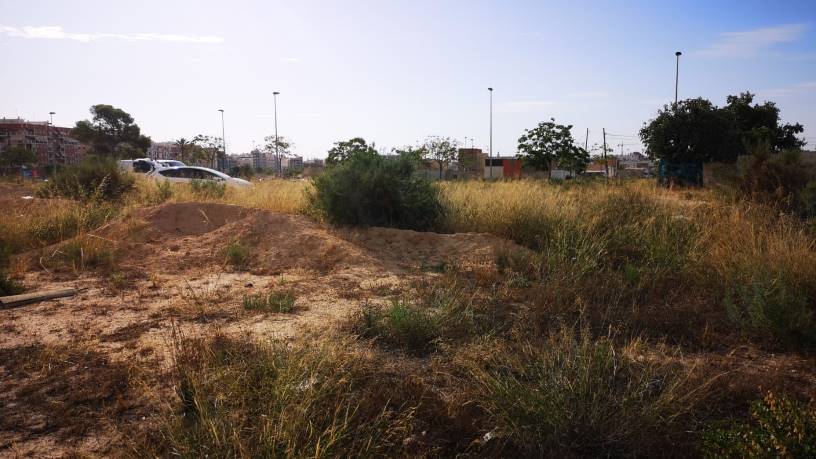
(442,149)
(111,132)
(550,144)
(343,150)
(760,124)
(17,156)
(414,154)
(576,161)
(695,130)
(691,130)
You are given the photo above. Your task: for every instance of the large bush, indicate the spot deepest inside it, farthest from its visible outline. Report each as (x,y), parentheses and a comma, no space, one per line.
(368,189)
(94,178)
(782,180)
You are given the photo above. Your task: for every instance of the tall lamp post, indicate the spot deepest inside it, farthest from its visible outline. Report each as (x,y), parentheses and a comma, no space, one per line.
(491,132)
(677,75)
(223,134)
(277,155)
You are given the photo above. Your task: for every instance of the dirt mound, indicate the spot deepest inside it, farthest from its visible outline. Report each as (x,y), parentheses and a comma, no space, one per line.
(279,242)
(184,236)
(193,218)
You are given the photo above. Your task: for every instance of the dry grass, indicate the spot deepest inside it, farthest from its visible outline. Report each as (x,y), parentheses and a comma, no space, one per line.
(287,196)
(668,263)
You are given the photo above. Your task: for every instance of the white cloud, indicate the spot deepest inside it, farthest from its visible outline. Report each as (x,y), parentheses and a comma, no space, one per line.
(291,59)
(58,33)
(522,106)
(749,43)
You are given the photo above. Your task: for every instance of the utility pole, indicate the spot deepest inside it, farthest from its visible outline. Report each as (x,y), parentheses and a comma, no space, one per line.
(277,155)
(223,134)
(606,164)
(677,75)
(586,141)
(491,131)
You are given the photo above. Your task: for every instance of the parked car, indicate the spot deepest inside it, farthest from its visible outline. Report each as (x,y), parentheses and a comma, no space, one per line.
(141,165)
(187,174)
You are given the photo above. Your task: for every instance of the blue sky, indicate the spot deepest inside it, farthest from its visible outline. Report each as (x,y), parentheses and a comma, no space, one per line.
(395,72)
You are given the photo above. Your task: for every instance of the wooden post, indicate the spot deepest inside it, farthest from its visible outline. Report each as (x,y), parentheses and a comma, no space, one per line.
(35,297)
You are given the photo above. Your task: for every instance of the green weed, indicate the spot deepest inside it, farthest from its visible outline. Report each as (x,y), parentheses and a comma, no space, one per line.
(270,302)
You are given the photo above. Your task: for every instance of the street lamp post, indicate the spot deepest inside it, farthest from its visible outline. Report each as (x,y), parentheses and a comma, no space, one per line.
(277,155)
(223,134)
(491,132)
(676,75)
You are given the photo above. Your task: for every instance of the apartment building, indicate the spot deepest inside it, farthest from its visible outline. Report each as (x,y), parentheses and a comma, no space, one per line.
(52,144)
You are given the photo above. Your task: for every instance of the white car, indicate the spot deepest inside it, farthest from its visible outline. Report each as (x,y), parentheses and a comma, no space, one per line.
(141,165)
(187,174)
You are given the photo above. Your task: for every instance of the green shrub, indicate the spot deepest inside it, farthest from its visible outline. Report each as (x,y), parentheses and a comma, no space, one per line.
(208,188)
(402,325)
(236,254)
(162,192)
(779,427)
(771,308)
(239,398)
(96,178)
(270,302)
(576,396)
(56,227)
(82,253)
(368,189)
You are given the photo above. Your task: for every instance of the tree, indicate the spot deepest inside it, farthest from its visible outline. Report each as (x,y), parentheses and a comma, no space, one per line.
(692,130)
(442,149)
(343,150)
(112,132)
(185,145)
(576,161)
(549,144)
(206,148)
(414,154)
(283,149)
(17,156)
(695,130)
(759,124)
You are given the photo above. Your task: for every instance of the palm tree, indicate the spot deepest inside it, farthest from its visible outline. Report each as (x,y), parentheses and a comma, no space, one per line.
(183,144)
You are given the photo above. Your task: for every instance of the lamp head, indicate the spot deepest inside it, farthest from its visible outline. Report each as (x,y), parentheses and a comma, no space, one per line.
(678,54)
